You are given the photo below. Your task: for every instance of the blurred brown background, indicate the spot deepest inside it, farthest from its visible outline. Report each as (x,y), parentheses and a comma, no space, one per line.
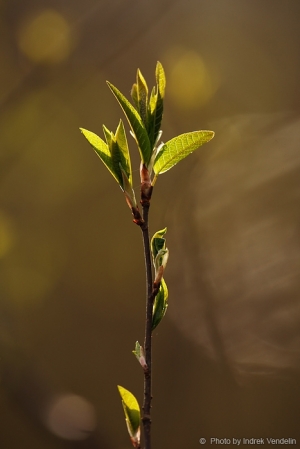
(227,356)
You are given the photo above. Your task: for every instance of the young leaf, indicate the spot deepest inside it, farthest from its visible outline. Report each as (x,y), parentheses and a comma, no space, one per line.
(142,93)
(132,415)
(152,101)
(161,259)
(134,95)
(108,136)
(102,150)
(158,242)
(161,85)
(160,304)
(114,153)
(135,123)
(160,254)
(140,355)
(178,148)
(156,105)
(117,145)
(124,150)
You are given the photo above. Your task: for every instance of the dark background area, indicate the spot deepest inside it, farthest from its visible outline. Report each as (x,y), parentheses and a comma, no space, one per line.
(227,355)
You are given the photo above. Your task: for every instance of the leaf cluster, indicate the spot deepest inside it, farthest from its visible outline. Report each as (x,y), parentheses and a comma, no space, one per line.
(144,117)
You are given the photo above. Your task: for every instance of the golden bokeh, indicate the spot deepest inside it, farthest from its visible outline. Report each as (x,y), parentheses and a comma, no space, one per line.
(46,38)
(191,81)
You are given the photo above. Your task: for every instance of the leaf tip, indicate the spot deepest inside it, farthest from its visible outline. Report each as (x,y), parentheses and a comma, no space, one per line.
(110,85)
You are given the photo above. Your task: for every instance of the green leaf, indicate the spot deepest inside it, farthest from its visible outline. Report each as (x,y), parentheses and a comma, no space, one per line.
(152,101)
(134,95)
(140,355)
(161,259)
(102,150)
(114,153)
(178,148)
(142,96)
(161,85)
(156,104)
(124,150)
(160,304)
(138,350)
(135,122)
(158,242)
(160,253)
(118,147)
(132,413)
(108,137)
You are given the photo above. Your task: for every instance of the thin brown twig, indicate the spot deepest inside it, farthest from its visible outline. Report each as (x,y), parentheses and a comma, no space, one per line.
(146,418)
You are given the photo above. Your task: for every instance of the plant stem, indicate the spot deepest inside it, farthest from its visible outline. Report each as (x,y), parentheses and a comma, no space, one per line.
(146,419)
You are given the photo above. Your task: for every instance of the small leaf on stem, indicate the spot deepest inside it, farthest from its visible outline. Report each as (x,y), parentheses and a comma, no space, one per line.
(139,353)
(160,263)
(158,242)
(132,415)
(160,304)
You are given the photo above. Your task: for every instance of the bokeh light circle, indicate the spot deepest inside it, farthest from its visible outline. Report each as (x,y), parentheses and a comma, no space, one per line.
(46,37)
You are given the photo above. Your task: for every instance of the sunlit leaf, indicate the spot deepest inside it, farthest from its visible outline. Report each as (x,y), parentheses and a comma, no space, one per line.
(161,85)
(119,154)
(132,414)
(114,153)
(102,150)
(156,104)
(134,95)
(142,96)
(108,136)
(124,150)
(152,100)
(179,148)
(135,123)
(160,304)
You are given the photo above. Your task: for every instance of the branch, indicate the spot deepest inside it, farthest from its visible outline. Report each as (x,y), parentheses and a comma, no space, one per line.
(146,419)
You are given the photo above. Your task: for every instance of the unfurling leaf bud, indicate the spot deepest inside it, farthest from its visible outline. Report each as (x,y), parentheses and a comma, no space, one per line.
(161,260)
(139,353)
